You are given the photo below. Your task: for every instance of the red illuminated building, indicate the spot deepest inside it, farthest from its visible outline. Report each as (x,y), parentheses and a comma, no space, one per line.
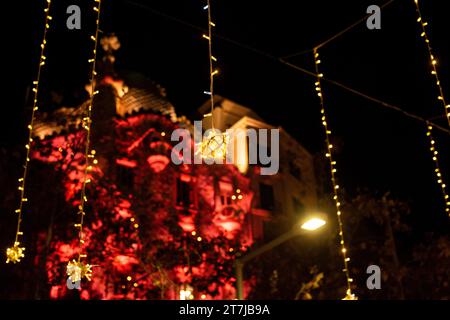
(154,230)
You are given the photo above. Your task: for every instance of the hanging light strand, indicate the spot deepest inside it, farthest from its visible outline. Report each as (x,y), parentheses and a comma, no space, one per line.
(333,171)
(16,252)
(433,61)
(76,269)
(214,145)
(437,169)
(212,71)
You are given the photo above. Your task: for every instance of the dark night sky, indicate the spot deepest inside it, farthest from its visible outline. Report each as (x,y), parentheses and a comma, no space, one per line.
(378,149)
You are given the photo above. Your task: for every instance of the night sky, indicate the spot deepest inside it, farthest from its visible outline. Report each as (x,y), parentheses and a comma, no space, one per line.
(378,149)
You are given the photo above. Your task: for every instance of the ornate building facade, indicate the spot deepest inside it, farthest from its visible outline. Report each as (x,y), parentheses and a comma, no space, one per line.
(156,230)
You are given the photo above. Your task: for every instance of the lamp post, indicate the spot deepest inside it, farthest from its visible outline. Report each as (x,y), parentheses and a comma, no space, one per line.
(309,225)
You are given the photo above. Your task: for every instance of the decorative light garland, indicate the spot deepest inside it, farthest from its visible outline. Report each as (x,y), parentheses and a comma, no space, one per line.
(433,61)
(437,170)
(212,72)
(77,269)
(214,145)
(15,253)
(329,154)
(441,99)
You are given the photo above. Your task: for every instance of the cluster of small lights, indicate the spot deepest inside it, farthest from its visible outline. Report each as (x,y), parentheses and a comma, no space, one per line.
(437,170)
(15,253)
(77,270)
(133,221)
(238,195)
(89,154)
(129,279)
(186,292)
(213,145)
(199,238)
(329,155)
(350,296)
(433,62)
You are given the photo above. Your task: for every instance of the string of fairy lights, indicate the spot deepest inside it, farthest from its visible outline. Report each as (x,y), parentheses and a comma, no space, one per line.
(214,145)
(15,253)
(329,155)
(441,99)
(78,269)
(424,35)
(212,59)
(437,169)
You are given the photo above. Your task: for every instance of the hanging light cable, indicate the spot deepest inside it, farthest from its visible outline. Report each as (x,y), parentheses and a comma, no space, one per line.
(441,99)
(214,145)
(437,169)
(212,72)
(78,269)
(433,61)
(16,252)
(329,155)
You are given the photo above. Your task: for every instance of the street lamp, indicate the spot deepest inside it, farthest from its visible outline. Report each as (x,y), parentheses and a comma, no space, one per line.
(310,224)
(313,224)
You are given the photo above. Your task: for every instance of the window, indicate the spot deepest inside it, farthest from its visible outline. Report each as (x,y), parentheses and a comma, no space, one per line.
(298,206)
(225,200)
(183,193)
(295,170)
(266,196)
(125,176)
(225,191)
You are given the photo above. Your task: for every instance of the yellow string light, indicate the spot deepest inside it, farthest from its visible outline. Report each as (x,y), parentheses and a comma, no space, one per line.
(441,99)
(437,170)
(433,61)
(215,144)
(212,72)
(77,269)
(333,171)
(15,253)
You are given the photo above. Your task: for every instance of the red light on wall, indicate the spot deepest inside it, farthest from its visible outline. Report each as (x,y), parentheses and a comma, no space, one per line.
(230,225)
(158,162)
(126,163)
(124,263)
(187,223)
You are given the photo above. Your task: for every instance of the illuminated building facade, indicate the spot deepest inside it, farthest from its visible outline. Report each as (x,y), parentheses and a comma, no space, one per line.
(156,230)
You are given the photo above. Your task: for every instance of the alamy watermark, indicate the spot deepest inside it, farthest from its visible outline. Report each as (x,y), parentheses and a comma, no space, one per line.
(374,280)
(374,20)
(234,146)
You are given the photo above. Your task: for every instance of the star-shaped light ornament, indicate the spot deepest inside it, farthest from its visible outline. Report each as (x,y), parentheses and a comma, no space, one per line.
(77,270)
(350,296)
(15,253)
(214,146)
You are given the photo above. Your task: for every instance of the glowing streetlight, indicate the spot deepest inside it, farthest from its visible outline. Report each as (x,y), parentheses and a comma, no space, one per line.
(314,222)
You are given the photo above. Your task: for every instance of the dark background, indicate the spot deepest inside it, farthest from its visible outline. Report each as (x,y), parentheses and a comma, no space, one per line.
(378,149)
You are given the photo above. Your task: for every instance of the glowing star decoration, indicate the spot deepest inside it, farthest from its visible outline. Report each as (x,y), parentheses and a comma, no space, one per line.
(15,253)
(350,296)
(213,146)
(77,270)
